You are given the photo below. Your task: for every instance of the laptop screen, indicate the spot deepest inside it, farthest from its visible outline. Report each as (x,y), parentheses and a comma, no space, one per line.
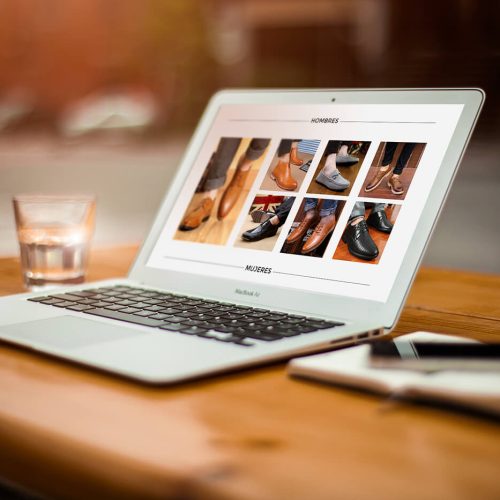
(320,198)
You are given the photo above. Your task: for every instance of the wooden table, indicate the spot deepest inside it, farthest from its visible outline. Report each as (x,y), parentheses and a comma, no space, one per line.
(70,432)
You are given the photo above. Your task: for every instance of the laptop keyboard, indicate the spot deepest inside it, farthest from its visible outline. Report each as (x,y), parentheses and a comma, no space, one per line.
(209,319)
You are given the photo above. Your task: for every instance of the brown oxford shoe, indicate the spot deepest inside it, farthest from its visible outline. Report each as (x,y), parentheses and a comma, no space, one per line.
(395,184)
(321,231)
(294,158)
(282,175)
(198,215)
(376,180)
(311,218)
(232,192)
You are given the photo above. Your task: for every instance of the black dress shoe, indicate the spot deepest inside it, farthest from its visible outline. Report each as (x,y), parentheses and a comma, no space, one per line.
(264,230)
(359,242)
(379,221)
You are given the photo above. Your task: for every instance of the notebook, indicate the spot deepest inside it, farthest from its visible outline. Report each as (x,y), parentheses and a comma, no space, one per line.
(351,368)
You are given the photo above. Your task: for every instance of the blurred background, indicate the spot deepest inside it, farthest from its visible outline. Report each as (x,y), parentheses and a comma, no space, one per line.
(101,96)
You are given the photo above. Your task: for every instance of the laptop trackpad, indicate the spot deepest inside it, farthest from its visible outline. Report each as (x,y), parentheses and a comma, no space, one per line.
(67,332)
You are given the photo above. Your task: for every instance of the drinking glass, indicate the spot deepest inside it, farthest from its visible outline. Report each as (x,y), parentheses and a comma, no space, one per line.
(54,233)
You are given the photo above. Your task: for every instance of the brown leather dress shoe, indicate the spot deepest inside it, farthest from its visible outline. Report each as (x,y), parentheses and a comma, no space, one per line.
(294,158)
(282,175)
(198,215)
(375,181)
(321,231)
(232,192)
(395,184)
(311,218)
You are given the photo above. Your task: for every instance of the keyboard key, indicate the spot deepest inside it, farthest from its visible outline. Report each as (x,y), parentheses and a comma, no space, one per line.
(193,330)
(209,325)
(154,308)
(173,327)
(224,329)
(129,310)
(98,303)
(99,296)
(64,304)
(66,297)
(126,302)
(169,303)
(158,316)
(50,301)
(38,299)
(112,300)
(274,316)
(129,318)
(212,314)
(169,310)
(112,307)
(175,319)
(141,305)
(202,317)
(293,321)
(175,300)
(232,314)
(187,314)
(284,332)
(143,313)
(261,335)
(153,302)
(247,319)
(79,307)
(245,309)
(235,322)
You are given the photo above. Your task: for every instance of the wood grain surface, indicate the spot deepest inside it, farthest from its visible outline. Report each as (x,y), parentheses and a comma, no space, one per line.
(69,432)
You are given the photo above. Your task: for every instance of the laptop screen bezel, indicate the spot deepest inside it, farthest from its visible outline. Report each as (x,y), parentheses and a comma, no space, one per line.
(270,296)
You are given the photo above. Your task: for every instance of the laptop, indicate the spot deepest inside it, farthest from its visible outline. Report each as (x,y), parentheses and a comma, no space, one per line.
(295,224)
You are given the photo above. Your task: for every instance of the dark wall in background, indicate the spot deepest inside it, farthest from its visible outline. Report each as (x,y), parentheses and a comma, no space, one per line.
(56,52)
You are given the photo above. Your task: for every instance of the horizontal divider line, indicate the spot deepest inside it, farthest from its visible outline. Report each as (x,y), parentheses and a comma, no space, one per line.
(321,278)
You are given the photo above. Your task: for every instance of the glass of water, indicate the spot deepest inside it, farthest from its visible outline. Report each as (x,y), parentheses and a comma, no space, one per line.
(54,233)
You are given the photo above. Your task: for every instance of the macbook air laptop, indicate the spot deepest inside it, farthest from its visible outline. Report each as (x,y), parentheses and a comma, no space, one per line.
(296,223)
